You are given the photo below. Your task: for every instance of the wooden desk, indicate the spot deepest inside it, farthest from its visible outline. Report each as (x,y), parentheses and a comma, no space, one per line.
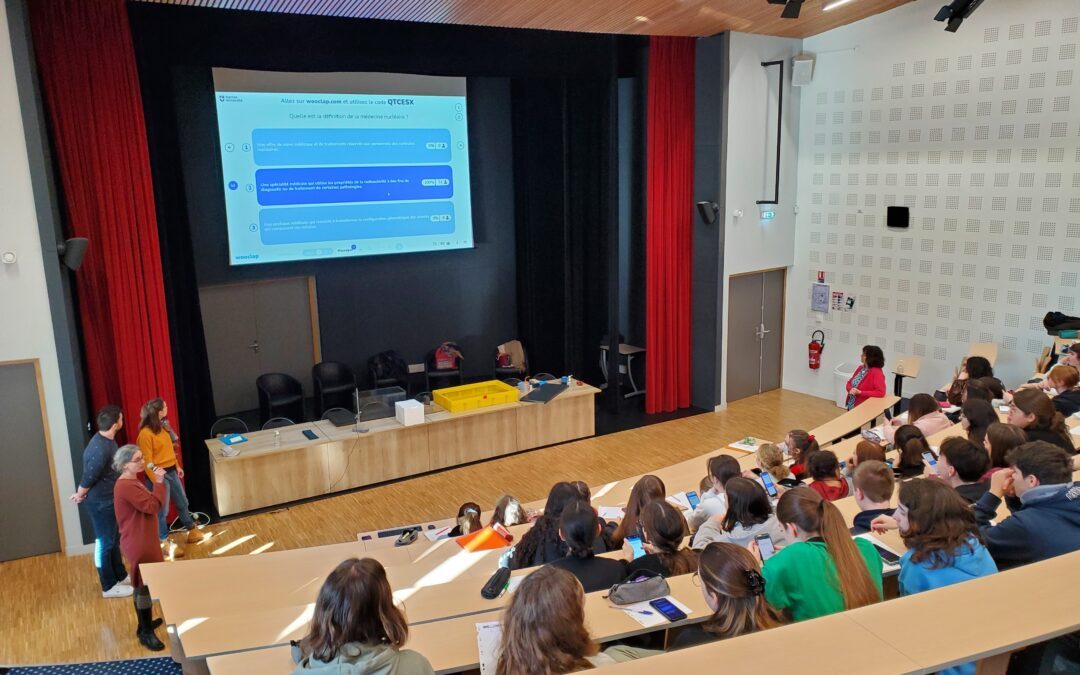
(865,413)
(273,469)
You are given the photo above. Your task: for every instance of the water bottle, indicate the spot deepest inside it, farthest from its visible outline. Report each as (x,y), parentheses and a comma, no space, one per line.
(277,437)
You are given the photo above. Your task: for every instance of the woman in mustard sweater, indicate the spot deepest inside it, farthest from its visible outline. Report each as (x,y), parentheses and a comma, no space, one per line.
(157,442)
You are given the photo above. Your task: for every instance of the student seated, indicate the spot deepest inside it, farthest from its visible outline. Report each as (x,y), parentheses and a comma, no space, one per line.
(1045,505)
(468,519)
(976,416)
(542,544)
(911,444)
(663,529)
(714,501)
(993,387)
(824,571)
(579,526)
(1032,411)
(734,590)
(356,628)
(864,452)
(749,514)
(543,628)
(508,512)
(770,458)
(999,440)
(924,412)
(825,470)
(1064,380)
(972,368)
(962,465)
(800,445)
(645,490)
(874,484)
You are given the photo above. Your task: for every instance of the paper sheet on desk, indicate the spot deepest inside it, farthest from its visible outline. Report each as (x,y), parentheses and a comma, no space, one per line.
(653,618)
(488,641)
(438,533)
(611,512)
(681,500)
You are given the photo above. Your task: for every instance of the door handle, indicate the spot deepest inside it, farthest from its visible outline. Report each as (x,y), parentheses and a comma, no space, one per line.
(254,346)
(761,331)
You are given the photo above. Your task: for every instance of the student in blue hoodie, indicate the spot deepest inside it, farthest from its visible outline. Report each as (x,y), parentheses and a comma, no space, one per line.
(1045,505)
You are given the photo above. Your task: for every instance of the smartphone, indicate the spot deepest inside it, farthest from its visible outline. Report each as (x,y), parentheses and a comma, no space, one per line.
(889,462)
(637,546)
(692,497)
(888,556)
(310,434)
(929,458)
(765,546)
(668,609)
(767,481)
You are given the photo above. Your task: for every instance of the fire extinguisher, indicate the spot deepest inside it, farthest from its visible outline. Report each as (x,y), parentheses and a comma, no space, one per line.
(816,347)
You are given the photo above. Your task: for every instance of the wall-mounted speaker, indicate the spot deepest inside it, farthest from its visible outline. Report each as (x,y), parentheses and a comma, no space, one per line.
(802,70)
(897,216)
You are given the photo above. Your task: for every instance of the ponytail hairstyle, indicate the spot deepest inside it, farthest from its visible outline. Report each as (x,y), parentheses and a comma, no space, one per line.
(647,488)
(546,528)
(578,526)
(150,417)
(665,528)
(543,627)
(804,444)
(911,444)
(940,522)
(1003,438)
(771,459)
(732,576)
(1034,402)
(806,510)
(921,405)
(468,517)
(981,414)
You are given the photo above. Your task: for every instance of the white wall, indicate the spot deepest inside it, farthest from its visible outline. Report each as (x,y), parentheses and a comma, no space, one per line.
(978,132)
(26,331)
(750,151)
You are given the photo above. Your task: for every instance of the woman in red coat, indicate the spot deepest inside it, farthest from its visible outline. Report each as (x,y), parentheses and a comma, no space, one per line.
(137,516)
(869,380)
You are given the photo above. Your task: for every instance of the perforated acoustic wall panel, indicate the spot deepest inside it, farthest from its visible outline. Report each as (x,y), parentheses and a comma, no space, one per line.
(978,134)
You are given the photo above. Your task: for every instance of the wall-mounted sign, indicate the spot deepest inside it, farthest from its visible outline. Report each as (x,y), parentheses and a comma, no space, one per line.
(819,298)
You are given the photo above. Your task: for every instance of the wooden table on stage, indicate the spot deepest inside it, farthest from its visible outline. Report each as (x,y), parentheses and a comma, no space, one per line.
(273,468)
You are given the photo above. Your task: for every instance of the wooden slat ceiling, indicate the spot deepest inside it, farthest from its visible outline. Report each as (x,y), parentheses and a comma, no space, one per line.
(641,17)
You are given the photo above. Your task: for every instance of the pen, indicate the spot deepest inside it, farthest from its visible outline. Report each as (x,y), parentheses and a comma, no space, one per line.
(633,611)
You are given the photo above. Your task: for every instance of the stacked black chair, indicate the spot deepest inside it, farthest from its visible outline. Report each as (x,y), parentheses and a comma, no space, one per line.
(280,395)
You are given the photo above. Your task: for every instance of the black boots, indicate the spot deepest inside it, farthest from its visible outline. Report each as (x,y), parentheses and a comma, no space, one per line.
(144,609)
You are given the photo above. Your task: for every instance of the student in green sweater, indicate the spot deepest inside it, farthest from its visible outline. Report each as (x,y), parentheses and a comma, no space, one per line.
(825,570)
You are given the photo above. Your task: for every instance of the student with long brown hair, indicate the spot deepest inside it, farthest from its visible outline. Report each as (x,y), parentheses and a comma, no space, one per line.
(1032,411)
(825,571)
(356,628)
(770,458)
(924,412)
(976,416)
(731,581)
(663,530)
(800,445)
(911,444)
(714,500)
(541,544)
(468,519)
(543,628)
(1000,439)
(646,489)
(749,514)
(508,512)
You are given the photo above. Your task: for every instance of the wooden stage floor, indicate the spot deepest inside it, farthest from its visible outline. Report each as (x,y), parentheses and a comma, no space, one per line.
(51,608)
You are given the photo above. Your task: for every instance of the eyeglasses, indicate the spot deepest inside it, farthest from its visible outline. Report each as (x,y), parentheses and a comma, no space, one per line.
(695,579)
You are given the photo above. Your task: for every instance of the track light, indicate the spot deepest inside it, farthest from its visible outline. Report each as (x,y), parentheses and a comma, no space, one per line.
(834,4)
(955,12)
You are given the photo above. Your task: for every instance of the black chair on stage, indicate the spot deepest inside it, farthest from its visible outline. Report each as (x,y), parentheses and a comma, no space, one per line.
(334,384)
(280,395)
(511,361)
(228,425)
(388,369)
(277,423)
(444,366)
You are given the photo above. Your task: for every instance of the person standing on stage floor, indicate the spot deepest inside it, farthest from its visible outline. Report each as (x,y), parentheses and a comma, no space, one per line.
(95,493)
(158,444)
(136,513)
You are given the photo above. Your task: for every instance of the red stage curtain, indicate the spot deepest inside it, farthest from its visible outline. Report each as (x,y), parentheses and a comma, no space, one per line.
(668,244)
(86,64)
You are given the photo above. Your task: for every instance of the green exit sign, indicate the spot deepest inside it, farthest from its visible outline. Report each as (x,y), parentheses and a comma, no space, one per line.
(768,215)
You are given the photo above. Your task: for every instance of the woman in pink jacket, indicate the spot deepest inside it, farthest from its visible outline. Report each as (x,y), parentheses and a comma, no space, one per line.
(924,412)
(869,380)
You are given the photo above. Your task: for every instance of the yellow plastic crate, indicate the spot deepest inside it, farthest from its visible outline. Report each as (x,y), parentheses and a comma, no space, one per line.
(473,396)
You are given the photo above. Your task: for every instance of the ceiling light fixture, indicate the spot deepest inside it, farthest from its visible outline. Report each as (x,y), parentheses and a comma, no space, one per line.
(834,4)
(791,8)
(955,12)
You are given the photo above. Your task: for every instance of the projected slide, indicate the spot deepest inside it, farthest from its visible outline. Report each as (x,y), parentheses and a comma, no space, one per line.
(340,165)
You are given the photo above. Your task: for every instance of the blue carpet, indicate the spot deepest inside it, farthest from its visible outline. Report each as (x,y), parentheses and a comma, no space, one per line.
(158,666)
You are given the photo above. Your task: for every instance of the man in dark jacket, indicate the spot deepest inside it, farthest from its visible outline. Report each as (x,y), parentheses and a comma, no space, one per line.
(1038,489)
